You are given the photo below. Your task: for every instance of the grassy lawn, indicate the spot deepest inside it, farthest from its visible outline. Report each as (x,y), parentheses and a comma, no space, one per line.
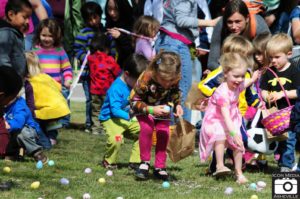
(77,150)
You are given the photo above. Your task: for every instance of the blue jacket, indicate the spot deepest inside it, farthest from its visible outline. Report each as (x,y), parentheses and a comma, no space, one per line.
(295,114)
(116,103)
(18,115)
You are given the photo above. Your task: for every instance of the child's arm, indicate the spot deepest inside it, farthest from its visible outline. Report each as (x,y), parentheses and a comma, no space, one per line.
(116,103)
(66,69)
(208,85)
(274,96)
(18,121)
(230,126)
(255,76)
(81,43)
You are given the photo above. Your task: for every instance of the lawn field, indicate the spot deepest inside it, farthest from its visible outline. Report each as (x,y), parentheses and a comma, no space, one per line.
(77,150)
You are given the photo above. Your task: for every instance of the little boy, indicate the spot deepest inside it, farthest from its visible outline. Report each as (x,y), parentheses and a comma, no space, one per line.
(23,131)
(115,114)
(10,85)
(103,71)
(279,50)
(91,13)
(12,29)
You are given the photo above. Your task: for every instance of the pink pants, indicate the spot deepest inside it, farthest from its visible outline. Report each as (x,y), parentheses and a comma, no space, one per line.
(147,125)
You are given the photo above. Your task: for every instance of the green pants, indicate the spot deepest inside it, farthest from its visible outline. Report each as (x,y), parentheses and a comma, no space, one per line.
(116,129)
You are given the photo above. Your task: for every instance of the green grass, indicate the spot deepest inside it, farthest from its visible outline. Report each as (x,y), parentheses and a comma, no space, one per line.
(77,150)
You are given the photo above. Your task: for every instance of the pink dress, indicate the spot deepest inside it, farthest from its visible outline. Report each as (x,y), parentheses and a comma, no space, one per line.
(213,124)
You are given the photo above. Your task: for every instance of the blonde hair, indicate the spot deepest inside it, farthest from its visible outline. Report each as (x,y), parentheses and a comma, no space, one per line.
(33,64)
(279,43)
(230,61)
(239,44)
(167,65)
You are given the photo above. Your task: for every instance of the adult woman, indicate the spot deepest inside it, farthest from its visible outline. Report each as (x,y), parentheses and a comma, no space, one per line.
(236,20)
(119,14)
(178,31)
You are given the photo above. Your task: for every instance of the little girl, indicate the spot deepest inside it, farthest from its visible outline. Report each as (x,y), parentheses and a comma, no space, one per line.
(49,103)
(222,120)
(260,44)
(146,26)
(155,89)
(54,60)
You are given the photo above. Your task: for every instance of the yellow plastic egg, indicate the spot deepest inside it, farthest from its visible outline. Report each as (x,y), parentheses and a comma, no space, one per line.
(35,185)
(7,169)
(101,180)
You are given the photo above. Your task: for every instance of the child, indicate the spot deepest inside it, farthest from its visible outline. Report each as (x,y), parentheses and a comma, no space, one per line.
(12,30)
(54,60)
(259,44)
(115,114)
(146,26)
(156,88)
(222,120)
(248,98)
(103,71)
(91,13)
(279,50)
(23,130)
(10,85)
(50,105)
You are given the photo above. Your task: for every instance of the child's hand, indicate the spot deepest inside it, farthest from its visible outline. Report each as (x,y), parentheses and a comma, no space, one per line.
(202,104)
(238,141)
(114,32)
(68,83)
(179,111)
(160,110)
(256,75)
(274,96)
(7,126)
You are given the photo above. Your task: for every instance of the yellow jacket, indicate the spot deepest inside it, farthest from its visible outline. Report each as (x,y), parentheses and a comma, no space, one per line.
(48,100)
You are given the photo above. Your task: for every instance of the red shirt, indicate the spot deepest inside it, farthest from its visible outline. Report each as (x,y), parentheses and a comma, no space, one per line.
(103,71)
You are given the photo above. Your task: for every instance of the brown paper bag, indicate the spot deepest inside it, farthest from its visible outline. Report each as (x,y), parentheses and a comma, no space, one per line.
(182,141)
(282,137)
(195,96)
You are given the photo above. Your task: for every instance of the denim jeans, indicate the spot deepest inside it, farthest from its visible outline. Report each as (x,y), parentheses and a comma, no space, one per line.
(43,140)
(169,44)
(286,149)
(88,103)
(65,121)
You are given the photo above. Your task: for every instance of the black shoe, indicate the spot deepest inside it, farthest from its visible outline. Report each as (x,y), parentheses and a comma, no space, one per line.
(133,166)
(161,174)
(142,173)
(5,186)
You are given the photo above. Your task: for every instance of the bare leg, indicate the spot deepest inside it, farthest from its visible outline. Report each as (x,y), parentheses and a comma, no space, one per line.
(238,155)
(219,150)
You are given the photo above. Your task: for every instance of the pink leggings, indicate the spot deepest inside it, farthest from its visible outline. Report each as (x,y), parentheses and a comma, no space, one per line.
(147,124)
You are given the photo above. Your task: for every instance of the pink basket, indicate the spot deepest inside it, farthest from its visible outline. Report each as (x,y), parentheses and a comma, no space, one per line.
(279,122)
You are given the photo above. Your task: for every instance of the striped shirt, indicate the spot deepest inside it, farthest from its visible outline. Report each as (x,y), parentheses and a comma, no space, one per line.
(55,63)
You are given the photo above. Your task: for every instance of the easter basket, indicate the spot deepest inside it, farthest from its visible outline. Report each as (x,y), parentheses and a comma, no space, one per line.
(182,141)
(278,122)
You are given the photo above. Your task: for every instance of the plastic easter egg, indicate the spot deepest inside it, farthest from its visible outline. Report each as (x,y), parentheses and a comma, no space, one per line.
(166,185)
(167,108)
(7,169)
(120,197)
(252,186)
(68,197)
(64,181)
(88,170)
(86,196)
(101,180)
(35,185)
(40,198)
(109,173)
(261,184)
(39,164)
(228,191)
(254,197)
(51,163)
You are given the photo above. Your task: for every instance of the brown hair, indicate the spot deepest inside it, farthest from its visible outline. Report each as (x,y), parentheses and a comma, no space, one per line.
(54,29)
(167,65)
(260,44)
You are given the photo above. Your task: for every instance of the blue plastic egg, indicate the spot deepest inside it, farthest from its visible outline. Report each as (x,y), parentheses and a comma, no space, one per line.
(167,108)
(64,181)
(166,185)
(39,164)
(252,186)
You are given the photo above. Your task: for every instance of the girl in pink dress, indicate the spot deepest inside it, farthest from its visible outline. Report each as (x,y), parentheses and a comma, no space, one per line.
(222,121)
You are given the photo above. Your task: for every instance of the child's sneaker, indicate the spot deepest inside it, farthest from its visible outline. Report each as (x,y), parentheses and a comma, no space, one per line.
(106,165)
(40,156)
(161,174)
(133,166)
(142,172)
